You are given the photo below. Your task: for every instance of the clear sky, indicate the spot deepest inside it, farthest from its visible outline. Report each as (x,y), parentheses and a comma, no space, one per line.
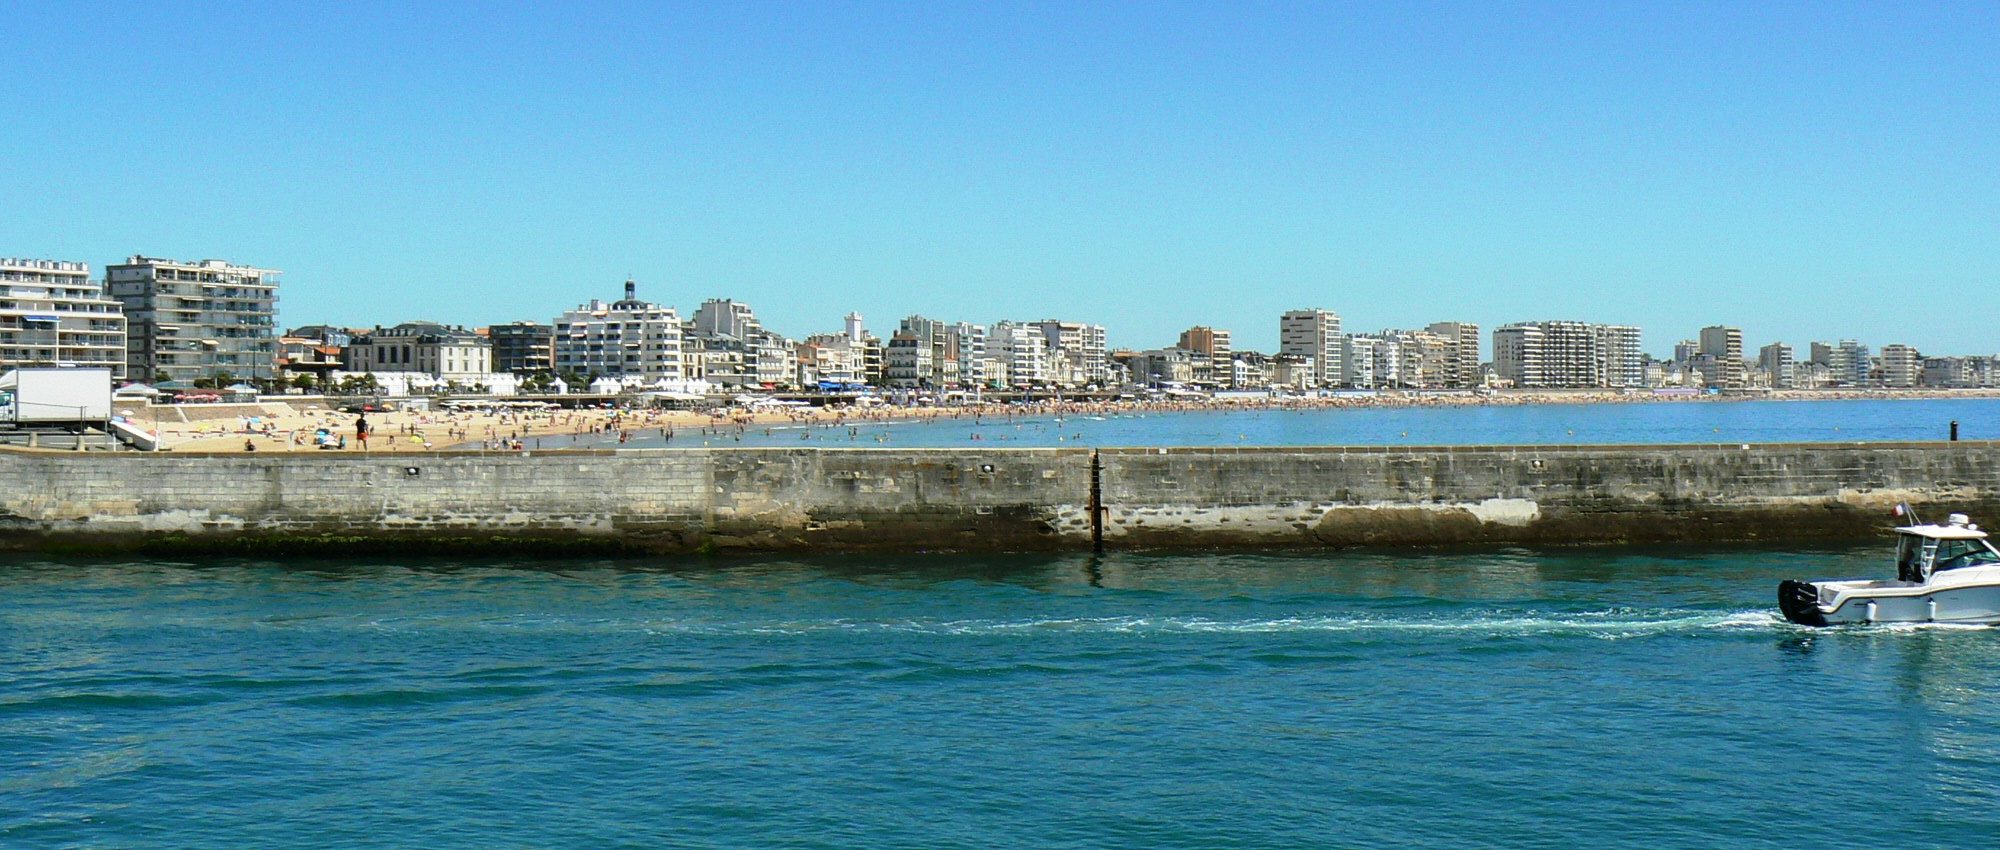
(1803,170)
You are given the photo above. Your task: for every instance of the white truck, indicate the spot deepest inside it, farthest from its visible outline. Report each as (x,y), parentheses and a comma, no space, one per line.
(55,398)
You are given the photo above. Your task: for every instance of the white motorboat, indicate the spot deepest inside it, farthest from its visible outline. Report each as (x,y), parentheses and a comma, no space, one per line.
(1944,574)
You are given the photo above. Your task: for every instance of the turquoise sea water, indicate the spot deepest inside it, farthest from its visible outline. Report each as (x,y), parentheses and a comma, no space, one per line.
(1575,698)
(1540,424)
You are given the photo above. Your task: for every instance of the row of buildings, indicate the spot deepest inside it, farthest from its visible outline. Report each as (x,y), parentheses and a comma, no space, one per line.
(180,323)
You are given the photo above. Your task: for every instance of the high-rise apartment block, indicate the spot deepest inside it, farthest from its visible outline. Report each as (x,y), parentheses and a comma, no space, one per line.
(1775,361)
(197,320)
(627,338)
(1848,364)
(1211,360)
(1461,353)
(1902,365)
(1568,355)
(1723,346)
(1315,335)
(51,312)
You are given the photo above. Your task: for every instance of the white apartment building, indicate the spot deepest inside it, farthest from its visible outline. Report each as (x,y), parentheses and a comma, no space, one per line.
(1362,361)
(51,312)
(1775,361)
(188,320)
(1313,334)
(1517,355)
(1848,364)
(1562,354)
(1022,350)
(627,338)
(1461,353)
(1902,365)
(1622,363)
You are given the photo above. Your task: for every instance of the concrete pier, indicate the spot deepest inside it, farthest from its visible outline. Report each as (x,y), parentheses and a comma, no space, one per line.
(679,500)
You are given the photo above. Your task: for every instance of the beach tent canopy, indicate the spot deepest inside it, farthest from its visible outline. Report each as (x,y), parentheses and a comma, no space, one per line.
(136,390)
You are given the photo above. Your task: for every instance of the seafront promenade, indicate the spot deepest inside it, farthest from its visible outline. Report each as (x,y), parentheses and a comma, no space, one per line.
(985,499)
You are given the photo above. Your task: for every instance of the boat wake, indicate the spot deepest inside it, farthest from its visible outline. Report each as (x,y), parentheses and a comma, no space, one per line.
(1610,624)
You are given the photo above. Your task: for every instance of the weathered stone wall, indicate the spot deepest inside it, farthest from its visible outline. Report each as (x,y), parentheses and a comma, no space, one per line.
(1535,494)
(999,499)
(664,500)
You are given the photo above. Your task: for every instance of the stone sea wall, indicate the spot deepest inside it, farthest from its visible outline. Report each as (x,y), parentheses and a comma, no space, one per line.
(674,500)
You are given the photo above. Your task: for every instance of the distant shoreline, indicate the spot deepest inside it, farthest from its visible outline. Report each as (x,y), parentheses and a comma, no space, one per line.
(286,425)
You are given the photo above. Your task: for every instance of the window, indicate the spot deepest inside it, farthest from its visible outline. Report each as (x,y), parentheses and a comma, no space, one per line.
(1953,554)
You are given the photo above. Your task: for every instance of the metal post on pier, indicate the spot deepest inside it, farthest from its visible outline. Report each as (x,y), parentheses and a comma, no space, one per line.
(1954,430)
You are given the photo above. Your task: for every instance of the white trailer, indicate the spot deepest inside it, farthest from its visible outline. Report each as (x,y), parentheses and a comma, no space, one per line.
(55,397)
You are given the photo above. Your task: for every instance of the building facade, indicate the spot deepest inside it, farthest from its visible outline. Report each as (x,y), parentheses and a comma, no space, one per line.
(441,351)
(627,338)
(1461,354)
(523,348)
(52,313)
(1902,365)
(1723,346)
(191,320)
(1314,335)
(1776,362)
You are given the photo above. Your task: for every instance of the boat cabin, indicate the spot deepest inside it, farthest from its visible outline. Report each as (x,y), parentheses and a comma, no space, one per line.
(1922,550)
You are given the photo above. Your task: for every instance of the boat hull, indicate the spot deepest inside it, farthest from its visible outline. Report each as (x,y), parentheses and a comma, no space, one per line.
(1968,605)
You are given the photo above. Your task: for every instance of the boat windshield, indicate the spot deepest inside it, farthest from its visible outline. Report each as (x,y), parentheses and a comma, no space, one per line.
(1953,554)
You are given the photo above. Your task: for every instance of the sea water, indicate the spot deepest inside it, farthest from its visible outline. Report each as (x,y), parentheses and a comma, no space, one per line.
(1508,698)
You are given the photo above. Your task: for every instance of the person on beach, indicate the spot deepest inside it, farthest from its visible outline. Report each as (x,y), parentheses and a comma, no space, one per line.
(361,431)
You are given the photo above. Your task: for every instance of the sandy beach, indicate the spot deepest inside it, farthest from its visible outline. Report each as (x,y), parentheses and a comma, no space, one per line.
(293,426)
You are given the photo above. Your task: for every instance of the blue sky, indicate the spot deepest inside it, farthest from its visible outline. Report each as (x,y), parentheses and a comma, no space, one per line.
(1806,171)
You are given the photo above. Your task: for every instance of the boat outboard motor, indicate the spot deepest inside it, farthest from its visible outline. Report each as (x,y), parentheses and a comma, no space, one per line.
(1799,600)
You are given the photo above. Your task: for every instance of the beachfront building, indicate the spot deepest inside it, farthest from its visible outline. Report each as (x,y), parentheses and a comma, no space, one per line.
(201,319)
(1902,365)
(1249,370)
(957,352)
(1314,335)
(52,313)
(1517,355)
(626,339)
(725,344)
(869,347)
(1161,367)
(1723,346)
(523,348)
(450,354)
(1211,357)
(1775,361)
(1290,371)
(1022,352)
(314,350)
(1363,361)
(1565,354)
(1076,353)
(1461,353)
(1621,361)
(907,360)
(828,362)
(1847,363)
